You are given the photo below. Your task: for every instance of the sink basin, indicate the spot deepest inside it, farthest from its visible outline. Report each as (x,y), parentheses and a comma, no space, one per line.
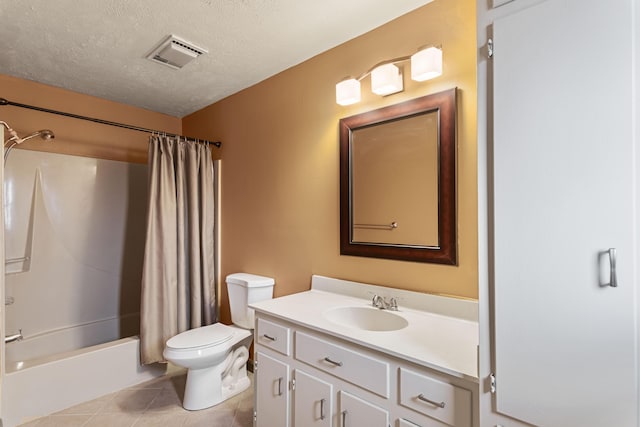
(366,318)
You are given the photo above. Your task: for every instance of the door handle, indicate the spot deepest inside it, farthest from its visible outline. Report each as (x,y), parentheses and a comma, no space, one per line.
(613,282)
(613,273)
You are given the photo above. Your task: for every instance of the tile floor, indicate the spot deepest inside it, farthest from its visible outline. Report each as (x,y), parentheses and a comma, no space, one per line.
(150,404)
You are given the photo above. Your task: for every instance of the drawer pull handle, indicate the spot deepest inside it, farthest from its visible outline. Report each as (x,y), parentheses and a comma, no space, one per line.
(322,414)
(433,402)
(269,337)
(344,418)
(333,362)
(280,386)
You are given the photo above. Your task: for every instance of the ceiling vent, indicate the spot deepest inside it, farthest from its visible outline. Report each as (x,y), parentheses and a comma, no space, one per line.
(175,52)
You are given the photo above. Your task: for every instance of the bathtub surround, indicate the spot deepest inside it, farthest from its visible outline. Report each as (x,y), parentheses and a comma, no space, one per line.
(73,233)
(74,226)
(179,273)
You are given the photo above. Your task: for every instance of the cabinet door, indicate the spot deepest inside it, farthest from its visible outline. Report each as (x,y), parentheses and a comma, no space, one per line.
(355,412)
(563,157)
(312,402)
(272,392)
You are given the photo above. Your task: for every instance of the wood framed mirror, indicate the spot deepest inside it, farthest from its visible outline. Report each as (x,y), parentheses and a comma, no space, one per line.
(398,181)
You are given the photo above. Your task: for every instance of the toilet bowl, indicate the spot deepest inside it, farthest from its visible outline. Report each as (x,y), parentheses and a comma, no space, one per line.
(216,355)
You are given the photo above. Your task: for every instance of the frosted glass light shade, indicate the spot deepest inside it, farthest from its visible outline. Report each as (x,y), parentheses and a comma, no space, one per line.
(386,79)
(426,64)
(348,92)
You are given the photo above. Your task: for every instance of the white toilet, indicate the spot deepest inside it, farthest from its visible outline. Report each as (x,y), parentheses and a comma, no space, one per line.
(216,355)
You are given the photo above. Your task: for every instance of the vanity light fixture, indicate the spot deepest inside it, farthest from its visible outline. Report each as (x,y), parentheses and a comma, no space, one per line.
(426,64)
(348,92)
(386,76)
(386,79)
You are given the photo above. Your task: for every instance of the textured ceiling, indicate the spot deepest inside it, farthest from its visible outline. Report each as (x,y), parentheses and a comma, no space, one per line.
(98,47)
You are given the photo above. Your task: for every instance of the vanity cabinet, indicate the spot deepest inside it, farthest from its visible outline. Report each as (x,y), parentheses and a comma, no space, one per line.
(307,378)
(434,398)
(272,399)
(355,411)
(313,401)
(367,372)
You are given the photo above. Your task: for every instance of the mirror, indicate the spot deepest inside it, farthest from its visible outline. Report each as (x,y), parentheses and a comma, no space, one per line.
(397,181)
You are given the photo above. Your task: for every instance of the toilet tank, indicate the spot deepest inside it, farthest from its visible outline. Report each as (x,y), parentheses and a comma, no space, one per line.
(244,289)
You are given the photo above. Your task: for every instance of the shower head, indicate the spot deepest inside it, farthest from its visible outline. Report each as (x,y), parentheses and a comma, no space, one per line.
(45,134)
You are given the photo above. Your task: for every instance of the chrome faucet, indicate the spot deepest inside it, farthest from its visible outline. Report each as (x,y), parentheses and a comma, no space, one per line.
(13,338)
(381,303)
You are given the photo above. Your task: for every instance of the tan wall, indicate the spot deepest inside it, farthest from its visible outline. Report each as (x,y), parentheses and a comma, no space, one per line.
(75,136)
(280,183)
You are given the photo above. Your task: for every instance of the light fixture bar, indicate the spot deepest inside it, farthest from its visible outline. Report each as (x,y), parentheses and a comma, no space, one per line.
(426,64)
(381,63)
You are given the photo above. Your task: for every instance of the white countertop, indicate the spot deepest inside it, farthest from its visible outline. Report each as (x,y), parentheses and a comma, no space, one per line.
(444,343)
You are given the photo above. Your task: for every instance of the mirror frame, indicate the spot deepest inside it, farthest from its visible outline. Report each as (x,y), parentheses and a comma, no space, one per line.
(446,251)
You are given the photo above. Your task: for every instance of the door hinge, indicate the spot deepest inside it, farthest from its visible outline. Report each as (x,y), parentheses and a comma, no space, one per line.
(255,365)
(490,48)
(492,382)
(255,416)
(292,387)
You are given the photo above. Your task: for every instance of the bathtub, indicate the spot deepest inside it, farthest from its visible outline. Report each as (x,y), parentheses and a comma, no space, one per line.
(51,342)
(51,383)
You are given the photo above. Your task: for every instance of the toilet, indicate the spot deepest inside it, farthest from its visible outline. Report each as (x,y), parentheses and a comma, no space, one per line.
(216,355)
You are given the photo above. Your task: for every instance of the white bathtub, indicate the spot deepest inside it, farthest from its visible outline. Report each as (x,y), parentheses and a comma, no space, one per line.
(52,342)
(42,386)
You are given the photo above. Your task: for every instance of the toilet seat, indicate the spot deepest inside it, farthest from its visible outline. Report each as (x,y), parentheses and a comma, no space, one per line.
(201,338)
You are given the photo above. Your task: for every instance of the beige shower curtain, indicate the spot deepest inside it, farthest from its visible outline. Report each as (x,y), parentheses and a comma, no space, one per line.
(179,278)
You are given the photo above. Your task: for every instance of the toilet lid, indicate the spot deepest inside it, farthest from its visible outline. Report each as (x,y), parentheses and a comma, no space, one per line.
(205,336)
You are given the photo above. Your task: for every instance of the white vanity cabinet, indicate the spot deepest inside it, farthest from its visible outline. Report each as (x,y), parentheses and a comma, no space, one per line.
(313,401)
(307,378)
(272,399)
(272,380)
(355,411)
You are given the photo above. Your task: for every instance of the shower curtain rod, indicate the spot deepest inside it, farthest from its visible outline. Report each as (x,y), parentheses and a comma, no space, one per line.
(3,101)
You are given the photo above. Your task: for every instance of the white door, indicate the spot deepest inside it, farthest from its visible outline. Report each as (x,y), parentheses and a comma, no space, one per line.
(272,392)
(2,256)
(563,195)
(356,412)
(312,402)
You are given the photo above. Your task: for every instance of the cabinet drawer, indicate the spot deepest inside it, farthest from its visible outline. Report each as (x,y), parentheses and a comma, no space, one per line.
(349,365)
(274,336)
(436,399)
